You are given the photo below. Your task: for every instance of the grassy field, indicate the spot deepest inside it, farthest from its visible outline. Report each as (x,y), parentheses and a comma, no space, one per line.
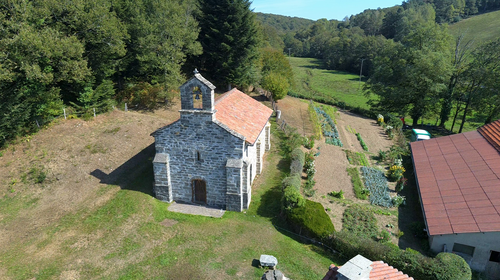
(313,80)
(122,232)
(480,28)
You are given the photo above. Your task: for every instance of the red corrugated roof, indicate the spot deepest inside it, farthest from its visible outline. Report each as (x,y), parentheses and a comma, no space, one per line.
(242,114)
(491,132)
(382,271)
(459,183)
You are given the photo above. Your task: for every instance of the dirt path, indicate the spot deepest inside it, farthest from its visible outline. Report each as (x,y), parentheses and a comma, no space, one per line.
(294,112)
(373,134)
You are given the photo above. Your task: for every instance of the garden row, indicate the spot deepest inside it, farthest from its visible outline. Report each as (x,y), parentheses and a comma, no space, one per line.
(328,126)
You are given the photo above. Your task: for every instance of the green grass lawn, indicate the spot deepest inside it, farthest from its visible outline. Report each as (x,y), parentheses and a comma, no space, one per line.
(480,28)
(313,80)
(124,238)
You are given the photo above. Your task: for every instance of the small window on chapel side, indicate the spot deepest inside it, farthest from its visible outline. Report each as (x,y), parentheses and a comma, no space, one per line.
(198,156)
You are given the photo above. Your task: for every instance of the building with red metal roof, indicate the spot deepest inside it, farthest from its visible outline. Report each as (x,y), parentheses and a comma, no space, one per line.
(458,178)
(212,153)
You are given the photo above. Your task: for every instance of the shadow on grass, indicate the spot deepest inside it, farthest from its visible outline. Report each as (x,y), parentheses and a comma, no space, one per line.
(135,174)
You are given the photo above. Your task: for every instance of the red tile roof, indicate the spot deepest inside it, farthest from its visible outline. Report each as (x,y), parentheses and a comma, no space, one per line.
(242,114)
(459,181)
(382,271)
(491,132)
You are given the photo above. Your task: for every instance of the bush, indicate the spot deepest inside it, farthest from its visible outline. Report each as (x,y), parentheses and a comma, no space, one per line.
(398,200)
(309,142)
(277,84)
(312,220)
(396,172)
(454,267)
(401,183)
(339,194)
(293,140)
(297,164)
(292,199)
(408,261)
(291,181)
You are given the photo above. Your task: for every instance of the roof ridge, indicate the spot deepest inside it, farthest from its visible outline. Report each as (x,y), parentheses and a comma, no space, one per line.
(224,95)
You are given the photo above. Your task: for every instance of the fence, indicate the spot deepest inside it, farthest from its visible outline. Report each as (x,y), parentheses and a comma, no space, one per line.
(280,121)
(71,113)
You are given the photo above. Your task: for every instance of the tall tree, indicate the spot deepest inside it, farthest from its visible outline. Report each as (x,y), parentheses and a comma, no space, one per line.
(481,77)
(163,34)
(228,35)
(410,76)
(34,60)
(459,63)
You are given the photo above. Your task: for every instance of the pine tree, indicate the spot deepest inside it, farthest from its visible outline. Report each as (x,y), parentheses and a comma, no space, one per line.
(229,38)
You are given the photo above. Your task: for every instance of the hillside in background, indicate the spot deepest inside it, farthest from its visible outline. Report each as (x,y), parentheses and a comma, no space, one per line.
(480,28)
(284,24)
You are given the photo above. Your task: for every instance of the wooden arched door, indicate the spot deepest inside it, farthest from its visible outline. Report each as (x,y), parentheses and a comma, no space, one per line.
(199,191)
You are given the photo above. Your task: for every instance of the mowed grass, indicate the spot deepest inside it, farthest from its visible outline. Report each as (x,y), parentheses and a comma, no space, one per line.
(480,28)
(313,80)
(124,238)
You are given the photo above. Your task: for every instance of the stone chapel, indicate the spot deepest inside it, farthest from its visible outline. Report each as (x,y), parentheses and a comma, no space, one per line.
(213,152)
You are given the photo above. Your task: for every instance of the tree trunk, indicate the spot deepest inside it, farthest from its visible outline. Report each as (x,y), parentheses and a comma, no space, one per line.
(415,120)
(464,116)
(446,106)
(492,114)
(456,115)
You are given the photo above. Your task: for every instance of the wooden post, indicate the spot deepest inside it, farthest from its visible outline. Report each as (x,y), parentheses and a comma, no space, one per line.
(37,123)
(126,107)
(94,112)
(64,111)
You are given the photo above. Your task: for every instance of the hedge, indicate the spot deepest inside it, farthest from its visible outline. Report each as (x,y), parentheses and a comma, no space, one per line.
(292,199)
(408,261)
(311,220)
(297,164)
(291,181)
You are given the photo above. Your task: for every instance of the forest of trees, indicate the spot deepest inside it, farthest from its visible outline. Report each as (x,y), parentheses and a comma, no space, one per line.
(94,54)
(409,59)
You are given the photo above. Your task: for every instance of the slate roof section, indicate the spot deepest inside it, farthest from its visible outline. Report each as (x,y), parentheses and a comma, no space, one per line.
(459,183)
(382,271)
(242,114)
(491,132)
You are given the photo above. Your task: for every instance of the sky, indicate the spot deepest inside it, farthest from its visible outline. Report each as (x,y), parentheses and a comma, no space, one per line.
(316,9)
